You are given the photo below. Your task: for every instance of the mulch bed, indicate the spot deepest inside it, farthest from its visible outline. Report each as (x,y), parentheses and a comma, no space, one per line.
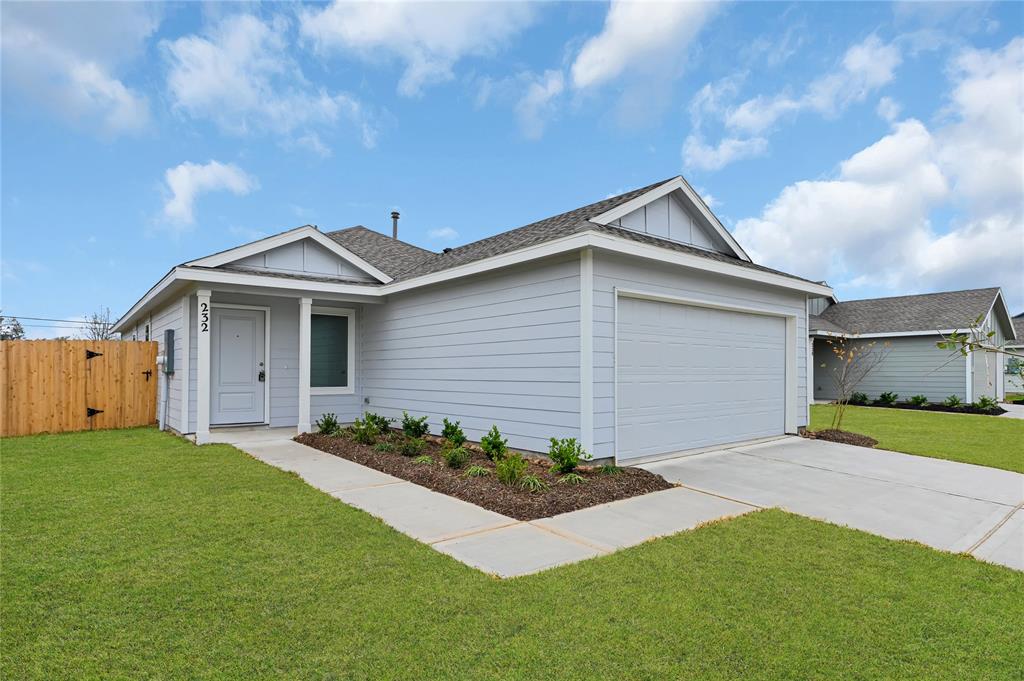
(487,491)
(962,409)
(843,436)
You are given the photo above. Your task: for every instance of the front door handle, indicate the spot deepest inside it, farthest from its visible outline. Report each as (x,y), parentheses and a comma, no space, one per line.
(263,375)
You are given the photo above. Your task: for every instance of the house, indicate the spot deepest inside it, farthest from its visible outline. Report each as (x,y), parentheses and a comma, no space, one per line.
(1012,382)
(636,324)
(907,329)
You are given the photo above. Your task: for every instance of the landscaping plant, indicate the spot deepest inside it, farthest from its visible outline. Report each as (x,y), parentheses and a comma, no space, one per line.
(384,447)
(919,401)
(510,468)
(363,432)
(412,446)
(986,403)
(854,361)
(571,479)
(383,423)
(477,472)
(494,445)
(609,469)
(327,424)
(887,399)
(531,483)
(952,401)
(566,454)
(414,427)
(455,457)
(452,432)
(424,459)
(859,399)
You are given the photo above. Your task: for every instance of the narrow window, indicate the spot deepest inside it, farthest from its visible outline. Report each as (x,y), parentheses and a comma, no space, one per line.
(330,351)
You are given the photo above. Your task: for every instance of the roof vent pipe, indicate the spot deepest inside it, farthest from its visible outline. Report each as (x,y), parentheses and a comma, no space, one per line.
(394,224)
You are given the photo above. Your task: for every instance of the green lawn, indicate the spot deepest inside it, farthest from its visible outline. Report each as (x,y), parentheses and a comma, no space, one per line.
(131,554)
(984,440)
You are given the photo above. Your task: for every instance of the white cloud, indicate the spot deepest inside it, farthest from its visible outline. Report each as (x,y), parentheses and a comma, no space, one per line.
(639,36)
(443,234)
(430,38)
(871,228)
(241,76)
(68,58)
(187,181)
(889,109)
(537,105)
(697,154)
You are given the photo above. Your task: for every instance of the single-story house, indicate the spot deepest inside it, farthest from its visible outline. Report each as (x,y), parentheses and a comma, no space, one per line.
(908,329)
(1012,382)
(636,324)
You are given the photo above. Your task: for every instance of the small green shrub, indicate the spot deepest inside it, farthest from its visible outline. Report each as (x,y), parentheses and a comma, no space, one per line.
(567,454)
(363,432)
(494,445)
(383,423)
(384,447)
(608,469)
(455,457)
(571,479)
(414,427)
(477,472)
(952,401)
(327,424)
(510,468)
(531,483)
(412,446)
(859,399)
(887,399)
(424,460)
(919,400)
(986,403)
(453,433)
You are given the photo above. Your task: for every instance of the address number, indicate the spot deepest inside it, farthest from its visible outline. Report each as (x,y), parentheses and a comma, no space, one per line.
(204,317)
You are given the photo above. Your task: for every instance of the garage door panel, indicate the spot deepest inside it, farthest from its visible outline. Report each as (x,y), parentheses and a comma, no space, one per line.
(690,377)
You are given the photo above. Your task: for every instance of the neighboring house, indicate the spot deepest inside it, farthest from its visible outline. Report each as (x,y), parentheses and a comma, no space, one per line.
(1012,382)
(908,329)
(636,324)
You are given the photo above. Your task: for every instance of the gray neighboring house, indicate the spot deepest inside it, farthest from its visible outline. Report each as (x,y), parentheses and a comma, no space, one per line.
(636,324)
(1012,382)
(909,327)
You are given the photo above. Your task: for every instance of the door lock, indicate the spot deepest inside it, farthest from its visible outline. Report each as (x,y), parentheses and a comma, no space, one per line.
(262,376)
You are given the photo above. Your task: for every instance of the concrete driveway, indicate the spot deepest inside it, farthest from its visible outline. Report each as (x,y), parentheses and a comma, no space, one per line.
(948,505)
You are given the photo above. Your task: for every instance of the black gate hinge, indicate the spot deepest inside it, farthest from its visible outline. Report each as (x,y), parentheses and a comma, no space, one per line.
(90,412)
(89,354)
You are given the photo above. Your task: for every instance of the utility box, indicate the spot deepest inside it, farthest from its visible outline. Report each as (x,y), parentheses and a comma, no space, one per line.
(168,351)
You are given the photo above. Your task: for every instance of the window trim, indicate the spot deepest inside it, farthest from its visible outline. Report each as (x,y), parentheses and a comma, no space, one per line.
(350,313)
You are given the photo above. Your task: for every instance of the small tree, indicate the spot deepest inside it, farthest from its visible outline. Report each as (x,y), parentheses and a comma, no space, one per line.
(855,362)
(977,339)
(98,326)
(11,329)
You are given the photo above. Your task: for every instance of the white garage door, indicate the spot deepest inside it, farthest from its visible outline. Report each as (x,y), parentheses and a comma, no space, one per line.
(693,377)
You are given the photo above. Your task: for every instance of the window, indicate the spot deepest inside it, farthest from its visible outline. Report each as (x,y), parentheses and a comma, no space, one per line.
(331,352)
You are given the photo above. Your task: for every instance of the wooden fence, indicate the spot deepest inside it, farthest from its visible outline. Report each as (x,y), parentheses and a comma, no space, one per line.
(53,386)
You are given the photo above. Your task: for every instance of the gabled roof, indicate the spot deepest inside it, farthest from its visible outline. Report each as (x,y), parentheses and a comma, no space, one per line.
(1018,327)
(929,312)
(389,255)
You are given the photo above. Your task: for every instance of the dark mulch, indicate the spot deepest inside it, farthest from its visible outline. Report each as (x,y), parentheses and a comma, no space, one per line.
(962,409)
(843,436)
(487,491)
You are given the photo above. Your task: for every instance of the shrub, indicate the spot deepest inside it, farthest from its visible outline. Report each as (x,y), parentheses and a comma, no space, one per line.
(453,433)
(383,423)
(859,399)
(531,483)
(566,454)
(986,403)
(413,446)
(571,479)
(384,447)
(919,400)
(477,472)
(455,457)
(363,432)
(424,460)
(887,399)
(493,444)
(511,468)
(327,424)
(952,401)
(609,469)
(413,427)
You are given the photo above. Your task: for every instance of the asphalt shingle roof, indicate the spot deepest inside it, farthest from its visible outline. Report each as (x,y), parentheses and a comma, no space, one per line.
(925,312)
(390,256)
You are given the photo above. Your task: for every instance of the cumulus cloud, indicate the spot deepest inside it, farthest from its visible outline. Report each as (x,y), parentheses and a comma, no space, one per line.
(698,154)
(537,105)
(871,228)
(429,37)
(70,60)
(443,234)
(240,75)
(888,108)
(186,182)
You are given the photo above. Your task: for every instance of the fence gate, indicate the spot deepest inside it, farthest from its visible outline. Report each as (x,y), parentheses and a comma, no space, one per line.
(53,386)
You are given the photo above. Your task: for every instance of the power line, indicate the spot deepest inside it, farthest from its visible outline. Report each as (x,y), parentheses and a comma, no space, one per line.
(50,319)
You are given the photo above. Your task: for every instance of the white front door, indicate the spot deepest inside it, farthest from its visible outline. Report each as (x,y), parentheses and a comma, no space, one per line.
(237,366)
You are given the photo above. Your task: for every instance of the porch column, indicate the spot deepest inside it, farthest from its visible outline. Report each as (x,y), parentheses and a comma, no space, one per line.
(305,322)
(203,323)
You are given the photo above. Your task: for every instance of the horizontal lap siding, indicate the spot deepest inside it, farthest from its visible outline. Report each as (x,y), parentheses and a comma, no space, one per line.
(912,366)
(500,348)
(169,317)
(613,271)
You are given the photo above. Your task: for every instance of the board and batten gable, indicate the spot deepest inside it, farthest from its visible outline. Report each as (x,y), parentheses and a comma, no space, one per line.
(496,348)
(612,271)
(304,256)
(667,218)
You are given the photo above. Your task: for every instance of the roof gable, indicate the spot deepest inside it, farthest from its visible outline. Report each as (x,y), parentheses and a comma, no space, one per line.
(930,312)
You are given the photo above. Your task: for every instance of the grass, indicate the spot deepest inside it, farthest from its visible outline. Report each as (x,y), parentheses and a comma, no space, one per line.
(131,554)
(983,440)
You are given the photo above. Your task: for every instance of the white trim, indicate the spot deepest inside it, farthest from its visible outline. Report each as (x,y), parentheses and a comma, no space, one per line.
(266,349)
(677,183)
(351,315)
(269,281)
(809,370)
(203,365)
(969,364)
(791,402)
(186,352)
(283,239)
(305,309)
(587,349)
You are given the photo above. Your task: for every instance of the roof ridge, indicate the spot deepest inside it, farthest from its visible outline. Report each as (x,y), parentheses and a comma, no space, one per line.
(382,235)
(994,289)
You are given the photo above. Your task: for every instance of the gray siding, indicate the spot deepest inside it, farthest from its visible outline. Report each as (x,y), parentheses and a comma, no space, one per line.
(614,271)
(913,366)
(304,256)
(499,348)
(669,219)
(816,306)
(169,317)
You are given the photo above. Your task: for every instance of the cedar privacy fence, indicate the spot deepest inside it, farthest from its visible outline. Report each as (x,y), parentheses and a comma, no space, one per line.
(53,386)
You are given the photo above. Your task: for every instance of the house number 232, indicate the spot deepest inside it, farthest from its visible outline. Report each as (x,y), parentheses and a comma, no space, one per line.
(204,317)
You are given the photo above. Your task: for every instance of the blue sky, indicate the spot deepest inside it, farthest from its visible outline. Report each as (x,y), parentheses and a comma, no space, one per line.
(877,146)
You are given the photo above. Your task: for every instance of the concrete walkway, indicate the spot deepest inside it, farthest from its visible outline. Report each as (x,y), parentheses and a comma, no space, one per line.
(485,540)
(1013,411)
(945,504)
